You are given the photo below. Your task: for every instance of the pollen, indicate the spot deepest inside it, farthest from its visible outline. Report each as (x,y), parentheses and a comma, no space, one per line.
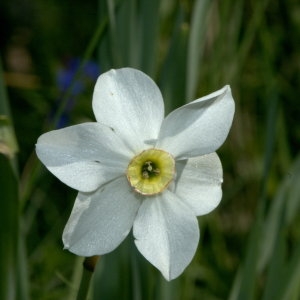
(151,171)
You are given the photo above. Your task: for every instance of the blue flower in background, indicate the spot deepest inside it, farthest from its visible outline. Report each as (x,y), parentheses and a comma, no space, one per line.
(65,75)
(65,79)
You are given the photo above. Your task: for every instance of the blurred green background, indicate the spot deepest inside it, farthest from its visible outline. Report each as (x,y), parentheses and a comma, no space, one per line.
(52,52)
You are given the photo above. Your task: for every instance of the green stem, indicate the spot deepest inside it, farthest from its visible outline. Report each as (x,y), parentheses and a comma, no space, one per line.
(89,265)
(84,285)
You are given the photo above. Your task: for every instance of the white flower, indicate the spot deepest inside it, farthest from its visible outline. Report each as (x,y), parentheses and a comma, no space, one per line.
(133,168)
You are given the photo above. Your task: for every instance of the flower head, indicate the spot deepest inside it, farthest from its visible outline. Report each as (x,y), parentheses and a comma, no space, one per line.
(134,168)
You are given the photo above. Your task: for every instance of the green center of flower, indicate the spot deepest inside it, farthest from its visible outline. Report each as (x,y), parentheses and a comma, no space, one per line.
(151,171)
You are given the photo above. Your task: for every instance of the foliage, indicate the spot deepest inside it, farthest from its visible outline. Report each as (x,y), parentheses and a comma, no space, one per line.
(250,245)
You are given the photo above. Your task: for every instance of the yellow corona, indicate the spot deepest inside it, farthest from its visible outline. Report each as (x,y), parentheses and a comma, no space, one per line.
(151,171)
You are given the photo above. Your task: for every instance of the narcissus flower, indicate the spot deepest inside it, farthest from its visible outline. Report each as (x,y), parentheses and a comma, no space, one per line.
(135,169)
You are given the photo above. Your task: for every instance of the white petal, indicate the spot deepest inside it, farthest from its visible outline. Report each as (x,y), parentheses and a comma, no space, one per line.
(130,102)
(166,233)
(83,156)
(198,182)
(100,221)
(199,127)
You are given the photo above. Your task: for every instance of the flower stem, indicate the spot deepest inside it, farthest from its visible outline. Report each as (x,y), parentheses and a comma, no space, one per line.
(87,273)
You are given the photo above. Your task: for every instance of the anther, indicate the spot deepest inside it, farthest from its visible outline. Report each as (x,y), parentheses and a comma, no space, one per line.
(145,174)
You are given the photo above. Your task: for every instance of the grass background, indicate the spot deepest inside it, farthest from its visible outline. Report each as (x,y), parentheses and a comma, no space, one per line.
(52,51)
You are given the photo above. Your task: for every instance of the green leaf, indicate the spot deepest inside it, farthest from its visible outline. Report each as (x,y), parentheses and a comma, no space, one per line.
(244,285)
(173,76)
(290,287)
(196,45)
(8,229)
(149,35)
(287,200)
(275,274)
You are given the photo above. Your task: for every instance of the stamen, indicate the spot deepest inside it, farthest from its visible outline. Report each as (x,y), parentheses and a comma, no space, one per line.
(145,175)
(149,169)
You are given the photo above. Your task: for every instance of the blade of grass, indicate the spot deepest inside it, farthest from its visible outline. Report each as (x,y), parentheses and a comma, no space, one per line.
(252,28)
(149,35)
(287,199)
(124,35)
(113,34)
(244,284)
(13,264)
(196,45)
(8,230)
(225,63)
(283,279)
(290,288)
(250,267)
(22,272)
(173,74)
(275,276)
